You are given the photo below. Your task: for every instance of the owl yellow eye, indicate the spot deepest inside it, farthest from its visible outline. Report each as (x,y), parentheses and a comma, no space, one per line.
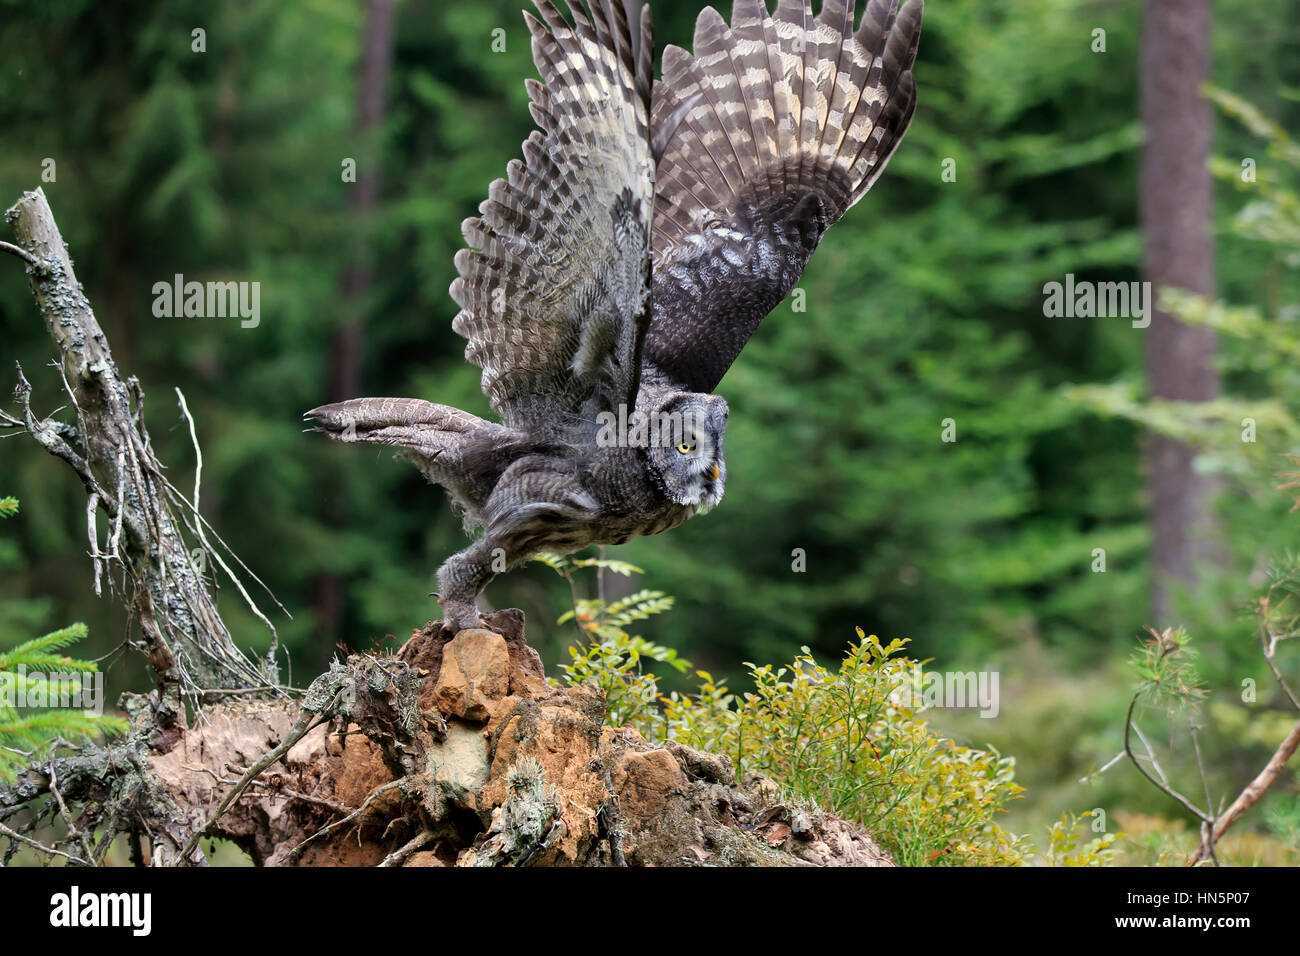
(685,449)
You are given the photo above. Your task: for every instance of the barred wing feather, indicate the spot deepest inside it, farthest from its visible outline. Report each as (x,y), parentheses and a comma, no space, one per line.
(781,122)
(554,287)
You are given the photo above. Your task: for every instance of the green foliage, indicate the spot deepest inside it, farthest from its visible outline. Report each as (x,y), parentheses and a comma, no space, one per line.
(850,740)
(615,664)
(37,670)
(1243,437)
(854,741)
(1165,667)
(1282,816)
(1064,848)
(607,620)
(1242,434)
(607,655)
(39,653)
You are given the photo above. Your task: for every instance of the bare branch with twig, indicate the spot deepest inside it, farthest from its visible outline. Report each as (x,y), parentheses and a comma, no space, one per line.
(187,643)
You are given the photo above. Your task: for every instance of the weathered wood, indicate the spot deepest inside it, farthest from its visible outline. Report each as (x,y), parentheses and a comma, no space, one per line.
(186,642)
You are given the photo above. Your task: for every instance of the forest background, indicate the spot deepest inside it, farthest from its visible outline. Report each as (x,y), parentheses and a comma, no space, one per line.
(926,303)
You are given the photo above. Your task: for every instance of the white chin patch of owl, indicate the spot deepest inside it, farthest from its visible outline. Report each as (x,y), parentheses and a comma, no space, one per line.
(705,497)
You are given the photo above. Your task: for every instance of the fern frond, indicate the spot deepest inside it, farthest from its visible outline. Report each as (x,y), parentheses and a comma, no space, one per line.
(555,562)
(637,607)
(609,564)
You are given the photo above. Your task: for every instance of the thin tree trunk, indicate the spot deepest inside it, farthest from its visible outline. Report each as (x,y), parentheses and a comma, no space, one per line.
(1176,196)
(372,105)
(155,537)
(347,345)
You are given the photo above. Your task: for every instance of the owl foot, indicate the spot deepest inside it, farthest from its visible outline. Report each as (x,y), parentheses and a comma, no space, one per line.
(459,616)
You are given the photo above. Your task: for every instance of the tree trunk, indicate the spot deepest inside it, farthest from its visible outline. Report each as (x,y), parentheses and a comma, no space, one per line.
(347,344)
(162,553)
(372,105)
(1176,196)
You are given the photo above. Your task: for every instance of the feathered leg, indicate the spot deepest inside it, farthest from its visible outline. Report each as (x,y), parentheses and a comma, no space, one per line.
(424,428)
(460,580)
(435,438)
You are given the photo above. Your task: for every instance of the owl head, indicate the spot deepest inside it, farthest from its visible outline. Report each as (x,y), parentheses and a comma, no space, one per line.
(685,448)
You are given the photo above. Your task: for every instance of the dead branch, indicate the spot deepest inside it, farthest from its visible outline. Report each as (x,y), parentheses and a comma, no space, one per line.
(1250,795)
(185,639)
(1160,784)
(23,254)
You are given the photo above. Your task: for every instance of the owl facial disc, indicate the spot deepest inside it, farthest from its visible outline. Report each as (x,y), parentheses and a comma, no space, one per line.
(686,449)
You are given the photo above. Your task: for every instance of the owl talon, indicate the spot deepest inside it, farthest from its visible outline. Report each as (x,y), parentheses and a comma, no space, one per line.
(459,616)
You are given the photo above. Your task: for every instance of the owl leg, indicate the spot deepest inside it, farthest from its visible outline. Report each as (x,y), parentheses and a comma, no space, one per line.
(460,579)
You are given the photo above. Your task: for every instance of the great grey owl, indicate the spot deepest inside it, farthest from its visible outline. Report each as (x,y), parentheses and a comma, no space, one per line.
(615,274)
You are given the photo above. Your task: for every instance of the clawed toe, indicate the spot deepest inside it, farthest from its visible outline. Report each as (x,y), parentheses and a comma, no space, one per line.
(459,616)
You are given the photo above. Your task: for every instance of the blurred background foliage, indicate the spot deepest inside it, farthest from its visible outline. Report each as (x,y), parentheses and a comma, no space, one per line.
(924,304)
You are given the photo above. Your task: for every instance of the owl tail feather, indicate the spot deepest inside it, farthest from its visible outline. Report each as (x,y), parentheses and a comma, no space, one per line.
(777,106)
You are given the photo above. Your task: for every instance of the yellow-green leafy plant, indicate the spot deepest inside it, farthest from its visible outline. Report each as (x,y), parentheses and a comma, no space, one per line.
(853,740)
(1064,846)
(850,740)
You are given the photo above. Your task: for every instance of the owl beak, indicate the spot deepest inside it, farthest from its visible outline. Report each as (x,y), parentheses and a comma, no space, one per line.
(714,471)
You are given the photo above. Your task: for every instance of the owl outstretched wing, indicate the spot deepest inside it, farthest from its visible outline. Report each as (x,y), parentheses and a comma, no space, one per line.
(779,123)
(554,288)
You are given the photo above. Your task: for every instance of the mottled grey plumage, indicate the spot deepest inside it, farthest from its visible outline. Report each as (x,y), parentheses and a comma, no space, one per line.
(615,274)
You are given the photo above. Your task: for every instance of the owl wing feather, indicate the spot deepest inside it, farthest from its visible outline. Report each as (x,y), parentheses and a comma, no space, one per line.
(554,288)
(782,122)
